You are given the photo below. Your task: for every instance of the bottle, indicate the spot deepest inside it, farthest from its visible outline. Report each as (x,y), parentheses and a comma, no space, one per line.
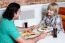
(55,32)
(26,25)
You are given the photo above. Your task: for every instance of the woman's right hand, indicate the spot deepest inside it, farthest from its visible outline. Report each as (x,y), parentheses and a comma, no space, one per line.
(34,26)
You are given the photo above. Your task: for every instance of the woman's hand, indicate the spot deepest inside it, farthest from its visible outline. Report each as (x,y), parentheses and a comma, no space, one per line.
(34,26)
(28,30)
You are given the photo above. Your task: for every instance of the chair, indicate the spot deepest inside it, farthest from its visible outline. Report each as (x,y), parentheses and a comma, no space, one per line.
(62,13)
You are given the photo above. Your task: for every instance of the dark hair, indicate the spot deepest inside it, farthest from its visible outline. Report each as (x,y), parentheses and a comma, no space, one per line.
(10,10)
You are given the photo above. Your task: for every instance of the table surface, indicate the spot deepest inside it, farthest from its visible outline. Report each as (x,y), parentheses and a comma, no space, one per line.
(49,39)
(43,38)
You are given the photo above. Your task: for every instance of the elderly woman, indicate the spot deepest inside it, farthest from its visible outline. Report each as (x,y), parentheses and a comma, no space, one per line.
(52,18)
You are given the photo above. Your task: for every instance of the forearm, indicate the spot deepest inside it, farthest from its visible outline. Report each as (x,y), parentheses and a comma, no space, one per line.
(20,40)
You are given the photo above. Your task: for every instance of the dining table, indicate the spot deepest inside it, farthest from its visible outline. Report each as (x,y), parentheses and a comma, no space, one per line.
(45,37)
(49,39)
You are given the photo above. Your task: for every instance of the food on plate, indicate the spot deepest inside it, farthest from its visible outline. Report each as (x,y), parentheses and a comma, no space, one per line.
(28,33)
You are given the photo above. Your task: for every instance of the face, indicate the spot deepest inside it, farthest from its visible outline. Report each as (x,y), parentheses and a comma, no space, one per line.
(16,15)
(50,12)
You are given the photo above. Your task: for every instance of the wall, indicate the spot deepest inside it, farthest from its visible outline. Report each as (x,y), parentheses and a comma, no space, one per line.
(4,3)
(38,13)
(32,21)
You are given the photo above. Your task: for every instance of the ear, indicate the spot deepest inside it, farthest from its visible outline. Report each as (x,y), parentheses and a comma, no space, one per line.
(14,15)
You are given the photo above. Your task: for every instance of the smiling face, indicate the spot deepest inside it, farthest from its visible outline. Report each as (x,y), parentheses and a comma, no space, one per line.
(50,12)
(52,9)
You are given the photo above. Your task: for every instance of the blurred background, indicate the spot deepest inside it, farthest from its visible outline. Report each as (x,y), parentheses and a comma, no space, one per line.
(4,3)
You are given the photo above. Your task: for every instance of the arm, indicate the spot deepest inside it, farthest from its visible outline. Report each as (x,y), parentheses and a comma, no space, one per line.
(59,23)
(20,40)
(14,33)
(41,22)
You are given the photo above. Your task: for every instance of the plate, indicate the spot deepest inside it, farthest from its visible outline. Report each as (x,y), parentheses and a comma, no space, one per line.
(48,29)
(31,36)
(28,35)
(41,30)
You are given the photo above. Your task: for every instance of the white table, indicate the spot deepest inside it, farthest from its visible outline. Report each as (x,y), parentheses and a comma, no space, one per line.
(49,39)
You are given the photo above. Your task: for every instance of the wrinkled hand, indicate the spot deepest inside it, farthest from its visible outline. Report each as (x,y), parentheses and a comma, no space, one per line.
(29,41)
(34,26)
(42,36)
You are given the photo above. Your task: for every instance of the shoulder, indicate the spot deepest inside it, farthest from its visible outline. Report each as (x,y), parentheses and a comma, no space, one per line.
(6,22)
(58,16)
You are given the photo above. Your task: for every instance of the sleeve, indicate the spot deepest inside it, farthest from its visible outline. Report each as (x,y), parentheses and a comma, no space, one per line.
(43,20)
(12,31)
(59,23)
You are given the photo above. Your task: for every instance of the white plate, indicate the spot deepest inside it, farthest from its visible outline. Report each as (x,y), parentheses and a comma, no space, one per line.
(48,29)
(31,36)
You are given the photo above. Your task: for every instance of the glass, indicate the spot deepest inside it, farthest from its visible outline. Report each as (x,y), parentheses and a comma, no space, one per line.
(54,33)
(26,25)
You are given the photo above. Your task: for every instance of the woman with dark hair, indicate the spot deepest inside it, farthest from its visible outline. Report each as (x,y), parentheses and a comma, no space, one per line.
(8,31)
